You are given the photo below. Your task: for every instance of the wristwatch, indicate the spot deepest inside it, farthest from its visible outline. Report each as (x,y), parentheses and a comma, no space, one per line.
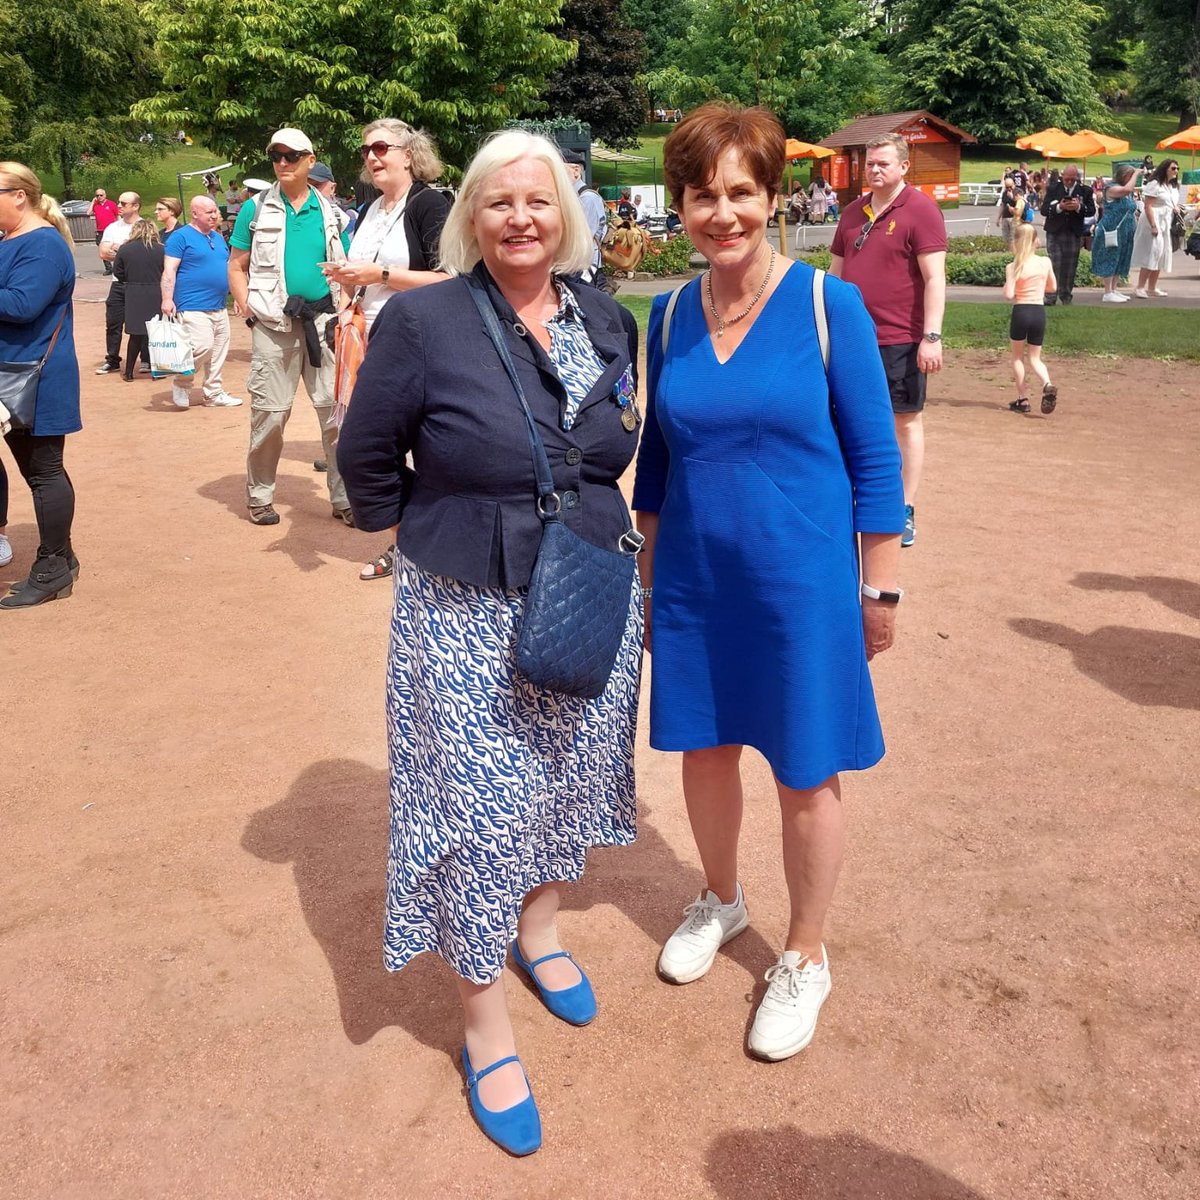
(384,277)
(933,337)
(887,597)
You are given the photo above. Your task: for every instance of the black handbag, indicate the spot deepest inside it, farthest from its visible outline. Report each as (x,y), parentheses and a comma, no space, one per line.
(579,595)
(19,384)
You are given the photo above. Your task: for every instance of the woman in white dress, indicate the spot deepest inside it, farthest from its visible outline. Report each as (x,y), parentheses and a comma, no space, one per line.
(1152,242)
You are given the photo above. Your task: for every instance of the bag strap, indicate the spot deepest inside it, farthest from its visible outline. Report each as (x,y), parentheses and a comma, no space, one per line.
(820,315)
(666,326)
(54,338)
(541,464)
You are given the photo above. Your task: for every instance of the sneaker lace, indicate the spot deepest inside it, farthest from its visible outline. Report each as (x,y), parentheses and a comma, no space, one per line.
(788,981)
(699,913)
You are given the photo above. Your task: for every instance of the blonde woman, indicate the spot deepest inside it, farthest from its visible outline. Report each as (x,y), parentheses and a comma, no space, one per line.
(139,266)
(37,280)
(1027,280)
(499,788)
(167,211)
(395,246)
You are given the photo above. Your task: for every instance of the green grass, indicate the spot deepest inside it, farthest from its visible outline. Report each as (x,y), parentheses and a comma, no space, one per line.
(158,181)
(1103,332)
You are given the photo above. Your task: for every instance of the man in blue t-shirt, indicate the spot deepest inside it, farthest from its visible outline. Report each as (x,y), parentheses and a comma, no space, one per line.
(195,282)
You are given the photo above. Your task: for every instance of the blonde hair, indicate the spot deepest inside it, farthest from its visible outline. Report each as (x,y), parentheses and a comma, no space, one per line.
(171,205)
(145,232)
(1024,244)
(18,175)
(460,250)
(426,166)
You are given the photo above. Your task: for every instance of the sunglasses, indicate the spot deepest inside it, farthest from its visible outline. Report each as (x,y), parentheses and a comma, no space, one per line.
(288,156)
(379,149)
(862,237)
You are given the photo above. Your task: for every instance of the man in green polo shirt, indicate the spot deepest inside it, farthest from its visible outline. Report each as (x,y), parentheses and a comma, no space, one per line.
(281,238)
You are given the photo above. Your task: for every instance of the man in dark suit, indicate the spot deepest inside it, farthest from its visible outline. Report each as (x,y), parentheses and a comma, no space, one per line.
(1068,205)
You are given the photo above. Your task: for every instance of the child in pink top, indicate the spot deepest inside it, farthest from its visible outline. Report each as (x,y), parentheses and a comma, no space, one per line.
(1027,279)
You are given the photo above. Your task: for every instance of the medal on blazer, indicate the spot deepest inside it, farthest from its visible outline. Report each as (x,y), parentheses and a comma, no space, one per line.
(626,400)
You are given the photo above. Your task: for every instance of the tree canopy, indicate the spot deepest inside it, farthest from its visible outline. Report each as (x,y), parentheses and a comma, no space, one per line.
(69,71)
(599,86)
(996,69)
(458,68)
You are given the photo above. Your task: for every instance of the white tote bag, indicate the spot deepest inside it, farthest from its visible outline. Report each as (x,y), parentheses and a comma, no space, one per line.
(170,351)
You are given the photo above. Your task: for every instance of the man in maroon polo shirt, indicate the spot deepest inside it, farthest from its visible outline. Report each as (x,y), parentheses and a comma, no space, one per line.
(891,243)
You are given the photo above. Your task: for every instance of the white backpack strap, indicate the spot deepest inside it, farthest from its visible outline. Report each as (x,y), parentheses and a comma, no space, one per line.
(666,327)
(820,315)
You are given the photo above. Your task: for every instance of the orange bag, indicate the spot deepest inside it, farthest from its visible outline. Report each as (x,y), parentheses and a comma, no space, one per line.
(349,350)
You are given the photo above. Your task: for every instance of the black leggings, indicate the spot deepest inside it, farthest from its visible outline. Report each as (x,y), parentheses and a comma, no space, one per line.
(3,495)
(40,461)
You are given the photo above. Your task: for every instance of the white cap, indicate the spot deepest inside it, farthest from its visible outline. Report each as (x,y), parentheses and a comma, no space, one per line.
(293,139)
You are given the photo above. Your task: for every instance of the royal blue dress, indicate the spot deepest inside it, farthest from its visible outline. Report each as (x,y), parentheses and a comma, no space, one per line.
(757,633)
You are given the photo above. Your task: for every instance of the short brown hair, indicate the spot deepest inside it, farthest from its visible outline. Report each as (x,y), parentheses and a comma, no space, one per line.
(171,205)
(894,140)
(694,145)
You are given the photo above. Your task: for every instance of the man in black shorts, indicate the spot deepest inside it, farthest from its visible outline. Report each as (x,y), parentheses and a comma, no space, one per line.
(891,243)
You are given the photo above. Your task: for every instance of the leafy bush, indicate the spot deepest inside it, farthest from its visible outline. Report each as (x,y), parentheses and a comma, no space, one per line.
(818,257)
(669,258)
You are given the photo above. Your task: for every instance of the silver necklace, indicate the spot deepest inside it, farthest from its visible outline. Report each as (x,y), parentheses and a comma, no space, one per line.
(762,287)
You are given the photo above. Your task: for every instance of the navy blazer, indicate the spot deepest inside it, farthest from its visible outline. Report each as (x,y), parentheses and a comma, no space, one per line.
(432,384)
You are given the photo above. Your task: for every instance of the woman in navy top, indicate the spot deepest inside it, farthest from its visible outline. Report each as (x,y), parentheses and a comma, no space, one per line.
(37,279)
(764,463)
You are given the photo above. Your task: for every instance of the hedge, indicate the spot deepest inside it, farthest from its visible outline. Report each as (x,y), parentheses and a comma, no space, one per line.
(976,270)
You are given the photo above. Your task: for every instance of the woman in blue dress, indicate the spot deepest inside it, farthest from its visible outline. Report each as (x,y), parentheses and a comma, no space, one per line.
(760,470)
(1111,256)
(37,280)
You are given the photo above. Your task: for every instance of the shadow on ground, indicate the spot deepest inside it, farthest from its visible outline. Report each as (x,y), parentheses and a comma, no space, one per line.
(1147,666)
(789,1162)
(333,828)
(1183,595)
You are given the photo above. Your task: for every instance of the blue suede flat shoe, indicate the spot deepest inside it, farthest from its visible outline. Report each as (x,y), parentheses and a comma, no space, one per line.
(576,1005)
(517,1129)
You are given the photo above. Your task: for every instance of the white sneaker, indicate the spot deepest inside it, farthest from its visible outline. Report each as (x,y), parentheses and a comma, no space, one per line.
(180,395)
(787,1017)
(224,400)
(690,950)
(5,550)
(1114,298)
(1141,293)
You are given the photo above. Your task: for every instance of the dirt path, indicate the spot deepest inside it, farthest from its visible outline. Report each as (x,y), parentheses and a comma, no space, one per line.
(194,811)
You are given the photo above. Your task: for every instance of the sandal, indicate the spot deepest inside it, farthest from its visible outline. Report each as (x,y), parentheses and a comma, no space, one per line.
(1021,405)
(379,568)
(1049,398)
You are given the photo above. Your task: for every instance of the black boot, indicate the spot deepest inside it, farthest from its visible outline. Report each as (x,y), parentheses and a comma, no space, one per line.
(50,579)
(72,564)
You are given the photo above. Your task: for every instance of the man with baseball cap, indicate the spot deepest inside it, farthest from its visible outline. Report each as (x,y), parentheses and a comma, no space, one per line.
(322,180)
(281,238)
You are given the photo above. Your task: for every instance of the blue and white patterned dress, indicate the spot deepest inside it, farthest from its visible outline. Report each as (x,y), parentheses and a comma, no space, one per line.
(496,786)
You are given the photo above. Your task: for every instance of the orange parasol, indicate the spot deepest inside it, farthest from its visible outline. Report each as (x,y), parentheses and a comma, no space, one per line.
(794,148)
(1185,139)
(1035,141)
(1112,145)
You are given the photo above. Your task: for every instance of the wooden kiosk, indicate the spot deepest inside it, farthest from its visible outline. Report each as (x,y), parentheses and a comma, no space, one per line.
(935,153)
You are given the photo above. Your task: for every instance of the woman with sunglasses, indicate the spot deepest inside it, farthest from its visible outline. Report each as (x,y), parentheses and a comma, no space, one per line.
(167,211)
(761,469)
(395,244)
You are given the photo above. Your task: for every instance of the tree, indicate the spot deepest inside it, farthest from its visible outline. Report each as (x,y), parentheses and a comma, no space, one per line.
(660,22)
(998,70)
(457,68)
(69,71)
(1169,66)
(600,87)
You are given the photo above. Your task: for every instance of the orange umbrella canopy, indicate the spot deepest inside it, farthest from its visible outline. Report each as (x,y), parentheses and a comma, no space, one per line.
(1185,139)
(794,148)
(1035,141)
(1112,145)
(1078,145)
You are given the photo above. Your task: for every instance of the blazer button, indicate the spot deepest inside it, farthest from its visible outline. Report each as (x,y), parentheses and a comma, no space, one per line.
(570,499)
(574,456)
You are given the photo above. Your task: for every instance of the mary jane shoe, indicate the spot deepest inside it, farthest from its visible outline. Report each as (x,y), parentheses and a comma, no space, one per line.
(517,1129)
(575,1005)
